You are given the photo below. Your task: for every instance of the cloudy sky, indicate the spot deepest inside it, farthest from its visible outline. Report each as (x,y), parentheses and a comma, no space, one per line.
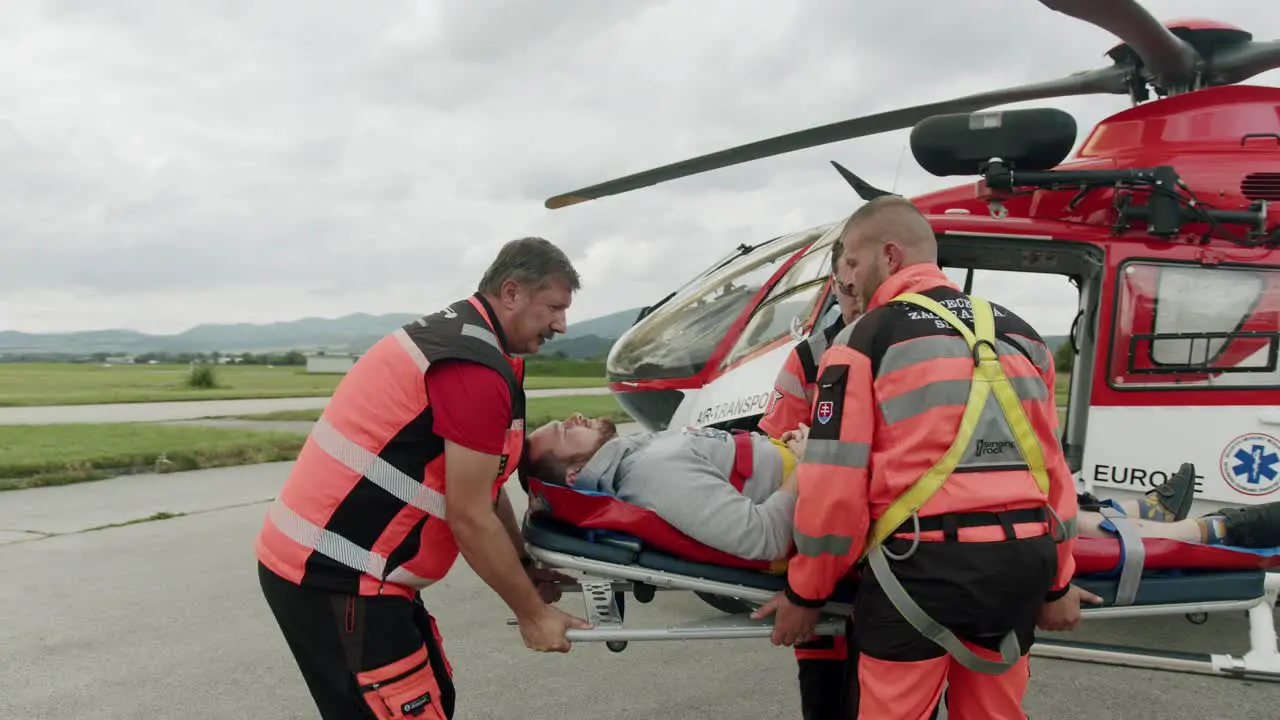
(164,164)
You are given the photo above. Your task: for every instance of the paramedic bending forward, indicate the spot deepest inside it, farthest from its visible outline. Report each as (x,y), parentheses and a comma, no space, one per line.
(994,550)
(403,470)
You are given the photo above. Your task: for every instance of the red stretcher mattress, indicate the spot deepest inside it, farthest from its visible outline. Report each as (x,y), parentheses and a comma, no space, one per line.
(606,513)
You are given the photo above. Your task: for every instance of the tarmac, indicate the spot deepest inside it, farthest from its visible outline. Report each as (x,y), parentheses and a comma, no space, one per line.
(164,618)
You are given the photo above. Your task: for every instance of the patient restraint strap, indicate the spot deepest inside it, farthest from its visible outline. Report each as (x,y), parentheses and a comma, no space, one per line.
(1132,552)
(988,379)
(742,460)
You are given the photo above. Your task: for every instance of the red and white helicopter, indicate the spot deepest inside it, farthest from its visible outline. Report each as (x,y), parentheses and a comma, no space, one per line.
(1166,220)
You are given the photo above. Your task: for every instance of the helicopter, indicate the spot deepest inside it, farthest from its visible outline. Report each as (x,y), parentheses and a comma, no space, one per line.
(1166,221)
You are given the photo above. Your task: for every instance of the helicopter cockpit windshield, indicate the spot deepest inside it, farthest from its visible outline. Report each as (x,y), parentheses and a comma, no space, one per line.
(678,338)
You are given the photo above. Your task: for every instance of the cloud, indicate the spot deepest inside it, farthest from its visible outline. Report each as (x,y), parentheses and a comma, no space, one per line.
(169,164)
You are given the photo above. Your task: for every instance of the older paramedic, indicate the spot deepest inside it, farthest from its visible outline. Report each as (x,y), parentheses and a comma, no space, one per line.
(735,492)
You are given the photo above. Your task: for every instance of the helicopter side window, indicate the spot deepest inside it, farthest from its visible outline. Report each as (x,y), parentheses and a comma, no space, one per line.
(1189,326)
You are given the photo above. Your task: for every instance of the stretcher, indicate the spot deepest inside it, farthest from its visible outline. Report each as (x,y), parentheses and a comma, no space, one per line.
(617,549)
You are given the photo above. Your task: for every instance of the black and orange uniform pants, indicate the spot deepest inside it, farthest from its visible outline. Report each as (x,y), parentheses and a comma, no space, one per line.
(978,590)
(363,657)
(828,671)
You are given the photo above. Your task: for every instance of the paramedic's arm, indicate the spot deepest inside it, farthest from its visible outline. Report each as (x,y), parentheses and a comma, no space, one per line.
(832,515)
(1062,488)
(510,522)
(789,404)
(471,411)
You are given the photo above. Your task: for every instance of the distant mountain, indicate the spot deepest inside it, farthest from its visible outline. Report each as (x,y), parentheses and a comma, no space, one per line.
(350,333)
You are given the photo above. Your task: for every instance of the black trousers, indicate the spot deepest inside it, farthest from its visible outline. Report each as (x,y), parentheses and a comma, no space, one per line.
(363,657)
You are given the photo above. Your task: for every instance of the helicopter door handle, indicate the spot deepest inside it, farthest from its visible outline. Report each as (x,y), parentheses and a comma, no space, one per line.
(1270,417)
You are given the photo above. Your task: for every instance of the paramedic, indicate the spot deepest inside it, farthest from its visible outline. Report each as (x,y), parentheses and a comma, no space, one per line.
(991,554)
(431,417)
(828,681)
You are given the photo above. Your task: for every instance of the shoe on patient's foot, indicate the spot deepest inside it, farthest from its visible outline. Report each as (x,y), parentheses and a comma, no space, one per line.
(1254,526)
(1171,500)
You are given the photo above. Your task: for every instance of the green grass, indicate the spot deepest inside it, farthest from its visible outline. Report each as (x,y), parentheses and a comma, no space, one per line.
(32,384)
(39,455)
(539,411)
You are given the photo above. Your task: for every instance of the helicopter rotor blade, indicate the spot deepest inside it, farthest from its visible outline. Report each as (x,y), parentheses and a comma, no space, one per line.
(1240,63)
(1107,80)
(1171,59)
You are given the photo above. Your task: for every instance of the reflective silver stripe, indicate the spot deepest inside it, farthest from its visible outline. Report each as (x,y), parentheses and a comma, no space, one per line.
(327,543)
(412,348)
(817,345)
(1134,552)
(813,546)
(790,385)
(1010,652)
(904,354)
(404,577)
(381,472)
(950,392)
(1038,352)
(480,333)
(837,452)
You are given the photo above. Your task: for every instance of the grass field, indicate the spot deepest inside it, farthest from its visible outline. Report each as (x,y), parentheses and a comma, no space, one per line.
(31,384)
(539,411)
(39,455)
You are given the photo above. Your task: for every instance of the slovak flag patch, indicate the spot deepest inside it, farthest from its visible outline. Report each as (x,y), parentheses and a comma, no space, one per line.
(825,409)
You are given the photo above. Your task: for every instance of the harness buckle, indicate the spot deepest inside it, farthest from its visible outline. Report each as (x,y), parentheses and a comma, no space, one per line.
(977,345)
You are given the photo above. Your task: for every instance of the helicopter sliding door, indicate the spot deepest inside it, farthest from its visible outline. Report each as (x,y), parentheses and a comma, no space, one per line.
(1190,374)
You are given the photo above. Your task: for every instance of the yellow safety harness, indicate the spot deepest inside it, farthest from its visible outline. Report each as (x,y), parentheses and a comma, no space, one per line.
(988,378)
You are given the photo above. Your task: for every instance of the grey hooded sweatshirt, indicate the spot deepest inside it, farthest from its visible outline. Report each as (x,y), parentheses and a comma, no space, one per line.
(682,475)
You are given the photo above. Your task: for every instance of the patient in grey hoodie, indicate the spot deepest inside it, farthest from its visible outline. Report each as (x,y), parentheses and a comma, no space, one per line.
(682,475)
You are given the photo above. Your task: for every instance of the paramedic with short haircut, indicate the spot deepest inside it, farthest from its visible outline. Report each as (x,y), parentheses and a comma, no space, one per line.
(988,555)
(828,681)
(431,417)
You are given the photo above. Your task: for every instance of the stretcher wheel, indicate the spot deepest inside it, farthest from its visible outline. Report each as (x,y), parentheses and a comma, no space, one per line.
(616,645)
(644,592)
(1198,618)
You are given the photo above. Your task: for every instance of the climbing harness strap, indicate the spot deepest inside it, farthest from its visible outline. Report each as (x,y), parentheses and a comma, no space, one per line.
(988,379)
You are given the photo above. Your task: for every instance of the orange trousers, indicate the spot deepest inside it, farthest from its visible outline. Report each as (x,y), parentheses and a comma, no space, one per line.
(980,591)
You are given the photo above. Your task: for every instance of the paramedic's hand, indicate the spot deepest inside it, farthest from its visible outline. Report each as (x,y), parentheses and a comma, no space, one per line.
(793,624)
(1064,613)
(544,631)
(545,580)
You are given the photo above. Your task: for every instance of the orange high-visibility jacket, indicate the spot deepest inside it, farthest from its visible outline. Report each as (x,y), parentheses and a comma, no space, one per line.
(363,510)
(891,392)
(792,399)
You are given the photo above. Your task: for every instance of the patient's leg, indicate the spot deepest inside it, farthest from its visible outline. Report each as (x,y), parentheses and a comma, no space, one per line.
(1090,524)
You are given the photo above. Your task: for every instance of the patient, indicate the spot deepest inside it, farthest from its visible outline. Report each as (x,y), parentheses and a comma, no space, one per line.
(682,475)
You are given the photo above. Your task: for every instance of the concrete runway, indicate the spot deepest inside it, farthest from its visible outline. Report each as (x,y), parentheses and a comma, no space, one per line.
(165,619)
(195,409)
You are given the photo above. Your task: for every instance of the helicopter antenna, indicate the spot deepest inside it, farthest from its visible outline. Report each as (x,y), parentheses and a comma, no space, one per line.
(898,173)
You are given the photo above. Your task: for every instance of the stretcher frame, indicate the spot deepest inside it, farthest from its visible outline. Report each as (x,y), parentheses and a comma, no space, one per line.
(603,583)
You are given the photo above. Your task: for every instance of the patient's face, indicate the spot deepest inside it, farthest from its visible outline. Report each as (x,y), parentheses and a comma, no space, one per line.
(574,436)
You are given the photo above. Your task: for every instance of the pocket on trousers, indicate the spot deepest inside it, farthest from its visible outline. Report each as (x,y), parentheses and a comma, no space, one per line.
(406,688)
